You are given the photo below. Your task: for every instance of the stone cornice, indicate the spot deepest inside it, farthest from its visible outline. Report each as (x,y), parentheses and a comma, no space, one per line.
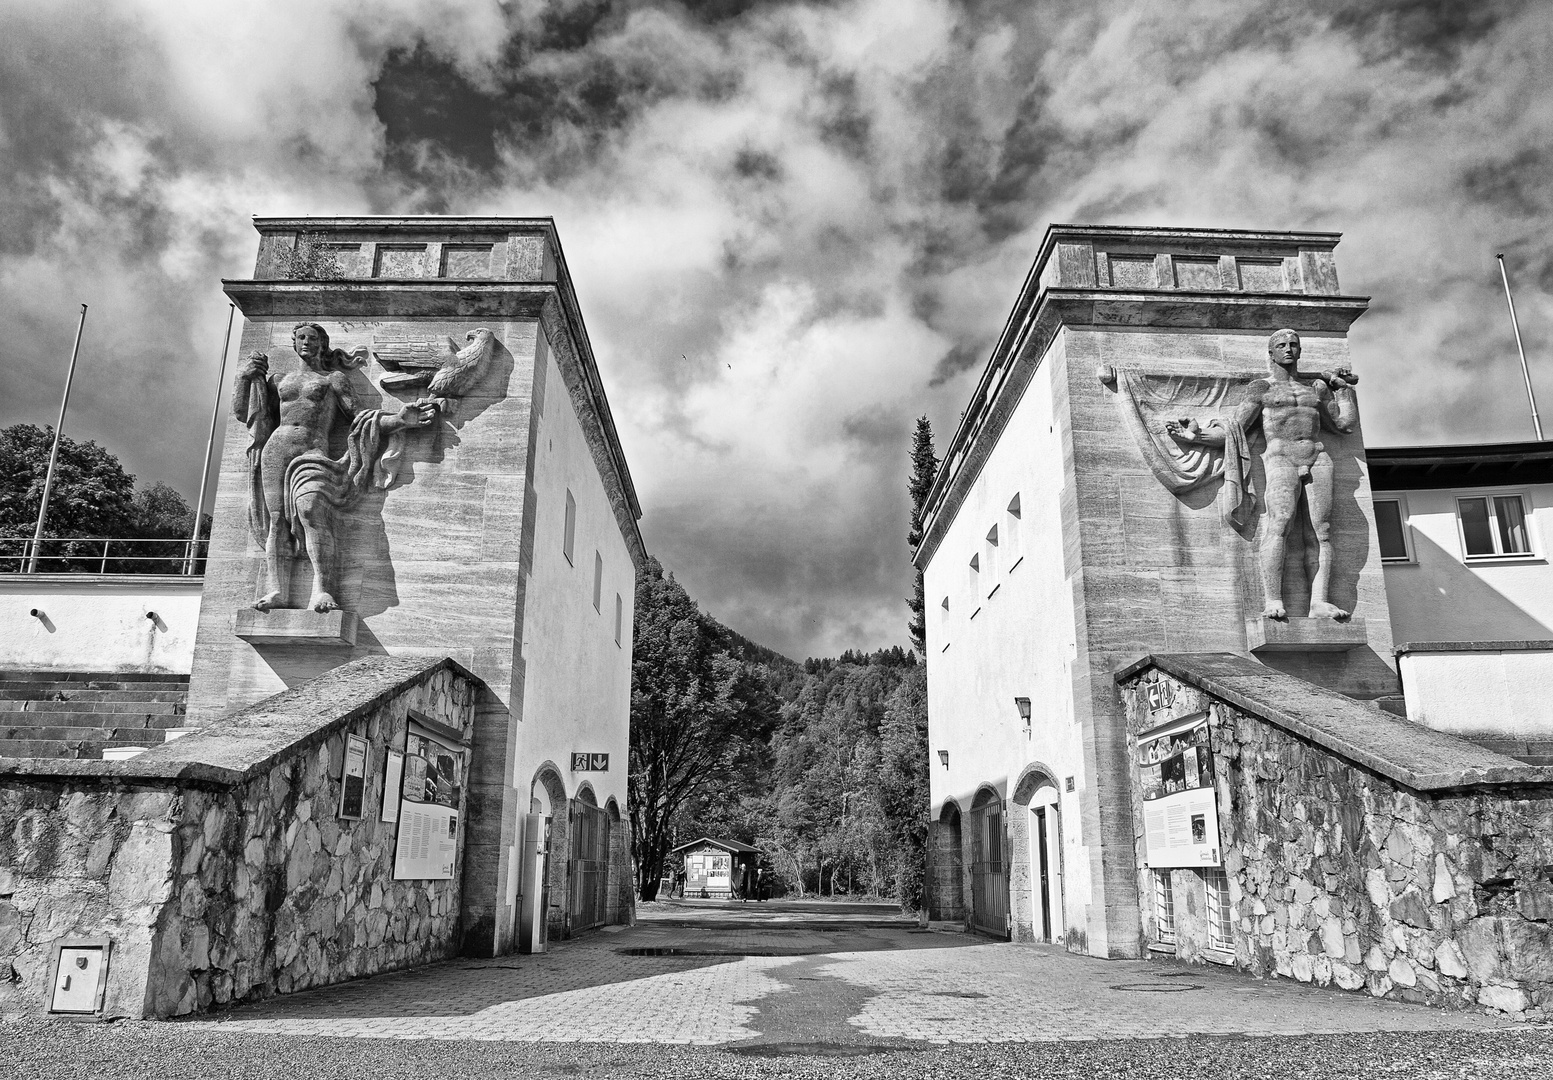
(1040,313)
(410,298)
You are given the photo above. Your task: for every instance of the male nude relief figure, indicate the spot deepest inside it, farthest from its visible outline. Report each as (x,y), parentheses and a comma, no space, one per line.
(1292,411)
(296,487)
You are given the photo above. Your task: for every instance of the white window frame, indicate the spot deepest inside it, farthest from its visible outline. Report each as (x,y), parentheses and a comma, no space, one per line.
(1532,540)
(620,608)
(1164,908)
(1220,910)
(1407,527)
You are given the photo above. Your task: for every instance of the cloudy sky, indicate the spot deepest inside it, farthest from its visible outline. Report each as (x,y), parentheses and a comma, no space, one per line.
(793,227)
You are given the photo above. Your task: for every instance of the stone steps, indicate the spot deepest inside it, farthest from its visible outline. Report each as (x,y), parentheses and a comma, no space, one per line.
(67,692)
(10,675)
(94,735)
(149,708)
(46,688)
(1533,751)
(83,718)
(45,748)
(56,714)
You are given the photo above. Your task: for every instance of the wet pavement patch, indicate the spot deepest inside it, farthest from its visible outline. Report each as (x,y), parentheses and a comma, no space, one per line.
(675,950)
(1156,988)
(818,1049)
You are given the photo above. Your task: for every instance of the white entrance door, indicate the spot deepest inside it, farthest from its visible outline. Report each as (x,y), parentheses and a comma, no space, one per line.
(1046,863)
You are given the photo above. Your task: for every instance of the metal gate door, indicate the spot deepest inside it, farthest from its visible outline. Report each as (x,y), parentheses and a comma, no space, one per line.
(989,879)
(590,865)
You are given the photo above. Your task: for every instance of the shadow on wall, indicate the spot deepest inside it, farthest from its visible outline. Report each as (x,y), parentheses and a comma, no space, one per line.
(1440,599)
(373,586)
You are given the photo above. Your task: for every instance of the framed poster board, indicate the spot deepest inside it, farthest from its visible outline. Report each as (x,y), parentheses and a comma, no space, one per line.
(431,791)
(353,781)
(1180,808)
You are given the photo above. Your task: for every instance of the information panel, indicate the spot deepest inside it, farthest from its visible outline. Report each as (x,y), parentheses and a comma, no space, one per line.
(1180,810)
(432,788)
(428,841)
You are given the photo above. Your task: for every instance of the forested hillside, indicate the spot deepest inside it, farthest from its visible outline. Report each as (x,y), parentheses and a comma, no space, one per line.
(823,764)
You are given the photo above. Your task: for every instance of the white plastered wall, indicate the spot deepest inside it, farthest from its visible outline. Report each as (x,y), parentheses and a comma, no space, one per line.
(1439,596)
(93,622)
(1019,641)
(577,682)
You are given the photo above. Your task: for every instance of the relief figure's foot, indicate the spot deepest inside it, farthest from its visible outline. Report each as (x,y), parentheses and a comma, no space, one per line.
(322,601)
(1275,610)
(1320,609)
(267,601)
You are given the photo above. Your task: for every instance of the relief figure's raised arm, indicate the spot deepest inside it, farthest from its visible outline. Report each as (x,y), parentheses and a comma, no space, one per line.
(1339,409)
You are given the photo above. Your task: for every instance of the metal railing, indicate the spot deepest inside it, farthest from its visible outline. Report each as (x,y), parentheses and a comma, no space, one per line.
(102,555)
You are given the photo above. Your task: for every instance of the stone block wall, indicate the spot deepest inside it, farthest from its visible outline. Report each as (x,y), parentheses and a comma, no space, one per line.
(218,886)
(1340,874)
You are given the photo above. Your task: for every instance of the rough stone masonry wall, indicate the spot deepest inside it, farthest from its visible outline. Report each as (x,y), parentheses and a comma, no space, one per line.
(1338,874)
(215,896)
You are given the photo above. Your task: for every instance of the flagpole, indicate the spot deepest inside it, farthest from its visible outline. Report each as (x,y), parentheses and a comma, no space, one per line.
(48,482)
(210,443)
(1525,370)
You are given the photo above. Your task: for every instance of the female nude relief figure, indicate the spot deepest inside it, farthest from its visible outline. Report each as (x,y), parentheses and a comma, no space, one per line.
(296,485)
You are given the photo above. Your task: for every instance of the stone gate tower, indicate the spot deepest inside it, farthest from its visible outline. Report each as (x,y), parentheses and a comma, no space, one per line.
(420,460)
(1141,443)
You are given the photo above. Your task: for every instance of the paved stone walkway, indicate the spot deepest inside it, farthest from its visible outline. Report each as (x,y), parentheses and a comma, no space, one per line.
(711,976)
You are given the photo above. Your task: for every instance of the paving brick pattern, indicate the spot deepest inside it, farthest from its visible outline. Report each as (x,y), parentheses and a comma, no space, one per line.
(831,979)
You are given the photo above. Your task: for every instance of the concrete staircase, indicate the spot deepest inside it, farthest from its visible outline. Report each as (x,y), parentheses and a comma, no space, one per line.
(77,714)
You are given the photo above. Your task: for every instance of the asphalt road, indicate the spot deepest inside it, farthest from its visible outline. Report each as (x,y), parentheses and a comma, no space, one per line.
(150,1051)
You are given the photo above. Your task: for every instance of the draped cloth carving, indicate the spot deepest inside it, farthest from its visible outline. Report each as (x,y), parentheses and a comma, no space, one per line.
(371,459)
(1147,400)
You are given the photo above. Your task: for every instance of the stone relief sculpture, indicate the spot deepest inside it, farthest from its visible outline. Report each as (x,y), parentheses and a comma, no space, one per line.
(1292,410)
(297,488)
(447,377)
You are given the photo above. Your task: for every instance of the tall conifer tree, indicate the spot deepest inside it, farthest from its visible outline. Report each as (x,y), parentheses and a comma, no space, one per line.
(924,466)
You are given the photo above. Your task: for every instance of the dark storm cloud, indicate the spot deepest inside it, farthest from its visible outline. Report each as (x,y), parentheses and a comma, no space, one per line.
(793,227)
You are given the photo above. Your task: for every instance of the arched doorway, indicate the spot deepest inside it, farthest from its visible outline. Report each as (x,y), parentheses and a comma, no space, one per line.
(546,835)
(989,869)
(1037,797)
(946,896)
(589,870)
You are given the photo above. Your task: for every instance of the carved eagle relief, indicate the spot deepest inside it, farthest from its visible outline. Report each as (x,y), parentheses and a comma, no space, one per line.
(447,371)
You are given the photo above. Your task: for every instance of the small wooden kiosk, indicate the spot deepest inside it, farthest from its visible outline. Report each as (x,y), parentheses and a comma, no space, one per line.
(719,869)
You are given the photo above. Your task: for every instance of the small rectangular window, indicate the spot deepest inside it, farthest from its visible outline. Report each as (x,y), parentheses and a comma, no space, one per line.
(1164,908)
(569,540)
(1221,919)
(975,576)
(992,559)
(620,610)
(598,580)
(1493,526)
(1391,529)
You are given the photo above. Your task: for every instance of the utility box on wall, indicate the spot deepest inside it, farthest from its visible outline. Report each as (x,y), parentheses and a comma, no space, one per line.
(79,976)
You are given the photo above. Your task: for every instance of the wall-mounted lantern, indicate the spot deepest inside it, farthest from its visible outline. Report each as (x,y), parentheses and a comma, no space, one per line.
(1023,705)
(943,758)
